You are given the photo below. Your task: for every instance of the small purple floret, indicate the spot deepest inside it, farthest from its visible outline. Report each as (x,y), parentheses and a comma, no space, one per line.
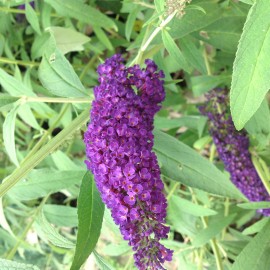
(232,147)
(119,143)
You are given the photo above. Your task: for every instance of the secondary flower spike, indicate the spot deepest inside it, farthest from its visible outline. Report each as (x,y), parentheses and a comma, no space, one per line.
(119,143)
(232,147)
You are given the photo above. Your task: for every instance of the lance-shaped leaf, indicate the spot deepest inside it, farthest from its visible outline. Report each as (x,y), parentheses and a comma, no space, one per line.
(90,214)
(181,163)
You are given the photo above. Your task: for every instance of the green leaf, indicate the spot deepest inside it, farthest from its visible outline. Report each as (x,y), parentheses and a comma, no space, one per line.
(213,229)
(116,249)
(255,255)
(101,262)
(57,75)
(41,182)
(254,205)
(27,116)
(190,6)
(251,75)
(32,18)
(189,121)
(82,12)
(9,135)
(130,22)
(160,5)
(192,208)
(40,45)
(260,121)
(249,2)
(12,265)
(51,234)
(14,86)
(182,222)
(224,34)
(63,162)
(61,215)
(103,37)
(90,214)
(202,142)
(3,220)
(174,51)
(256,227)
(193,54)
(202,84)
(183,164)
(68,40)
(195,19)
(6,100)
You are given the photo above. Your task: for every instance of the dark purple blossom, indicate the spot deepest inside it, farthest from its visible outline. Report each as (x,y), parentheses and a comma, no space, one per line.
(119,143)
(232,147)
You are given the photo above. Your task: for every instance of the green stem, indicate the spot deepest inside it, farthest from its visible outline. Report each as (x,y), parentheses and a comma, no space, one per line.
(53,144)
(152,36)
(206,60)
(213,240)
(18,62)
(12,10)
(13,251)
(217,254)
(172,191)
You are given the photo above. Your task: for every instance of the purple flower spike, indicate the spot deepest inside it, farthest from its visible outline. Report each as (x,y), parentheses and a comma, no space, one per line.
(119,143)
(232,147)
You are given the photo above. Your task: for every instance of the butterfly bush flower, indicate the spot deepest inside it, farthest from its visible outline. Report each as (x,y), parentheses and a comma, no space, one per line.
(119,143)
(232,147)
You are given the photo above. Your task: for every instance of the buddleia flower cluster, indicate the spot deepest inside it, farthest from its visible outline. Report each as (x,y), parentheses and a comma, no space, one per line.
(119,143)
(233,148)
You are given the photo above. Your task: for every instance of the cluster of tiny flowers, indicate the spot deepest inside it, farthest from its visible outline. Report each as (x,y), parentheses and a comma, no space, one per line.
(232,147)
(119,143)
(177,6)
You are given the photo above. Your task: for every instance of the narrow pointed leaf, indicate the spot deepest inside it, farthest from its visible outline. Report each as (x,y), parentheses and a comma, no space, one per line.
(9,136)
(32,17)
(13,86)
(174,51)
(183,164)
(6,100)
(51,234)
(90,214)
